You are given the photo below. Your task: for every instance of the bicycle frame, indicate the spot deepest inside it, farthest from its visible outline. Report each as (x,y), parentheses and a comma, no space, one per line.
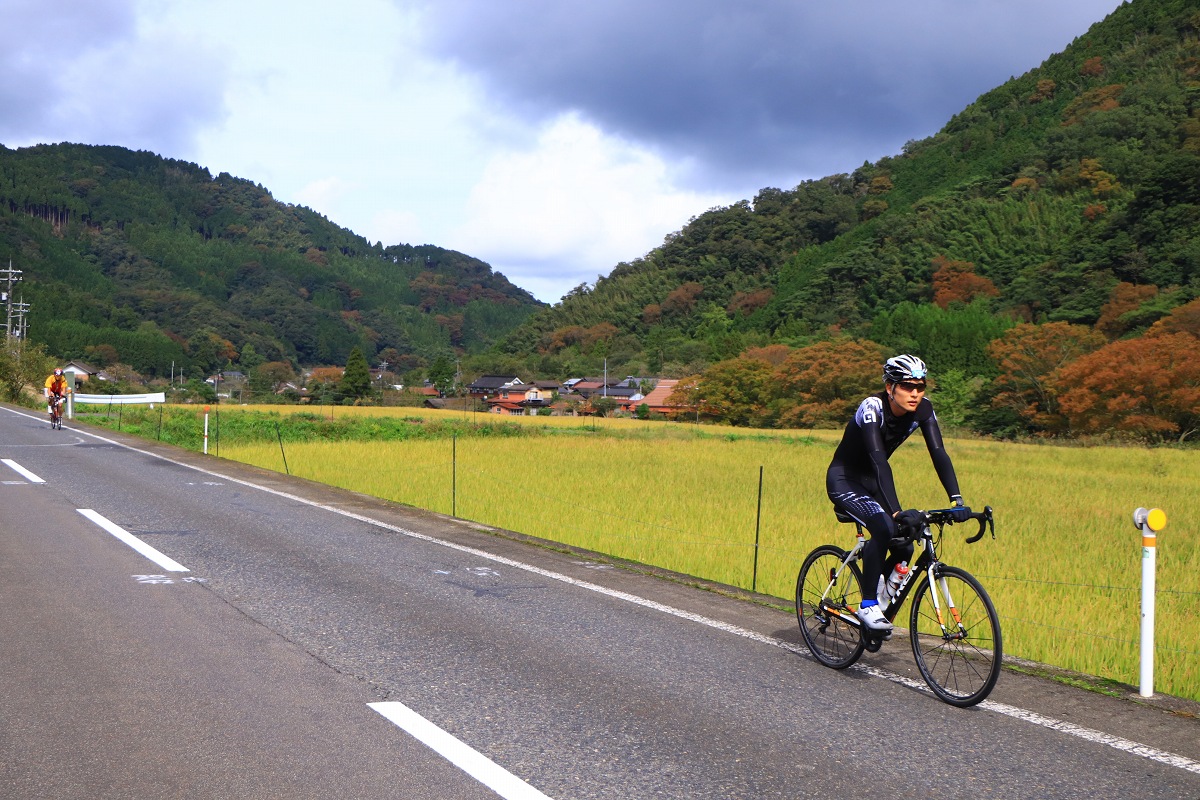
(926,563)
(56,409)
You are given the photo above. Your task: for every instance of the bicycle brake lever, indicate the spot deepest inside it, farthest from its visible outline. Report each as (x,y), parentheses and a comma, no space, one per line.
(985,522)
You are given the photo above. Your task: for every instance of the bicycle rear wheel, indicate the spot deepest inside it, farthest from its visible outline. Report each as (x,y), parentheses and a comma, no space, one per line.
(961,661)
(833,641)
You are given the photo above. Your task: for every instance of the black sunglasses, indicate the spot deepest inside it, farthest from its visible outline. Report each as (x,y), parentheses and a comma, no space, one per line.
(911,387)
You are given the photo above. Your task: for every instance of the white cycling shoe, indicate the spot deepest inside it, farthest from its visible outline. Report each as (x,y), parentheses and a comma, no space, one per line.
(873,618)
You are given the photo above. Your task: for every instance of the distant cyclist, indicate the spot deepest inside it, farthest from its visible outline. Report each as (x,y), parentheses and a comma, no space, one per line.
(56,390)
(859,479)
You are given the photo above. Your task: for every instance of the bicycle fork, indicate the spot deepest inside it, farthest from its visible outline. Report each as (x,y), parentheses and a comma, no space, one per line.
(939,589)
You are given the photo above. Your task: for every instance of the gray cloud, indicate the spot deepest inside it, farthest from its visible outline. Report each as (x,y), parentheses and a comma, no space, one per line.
(85,72)
(775,87)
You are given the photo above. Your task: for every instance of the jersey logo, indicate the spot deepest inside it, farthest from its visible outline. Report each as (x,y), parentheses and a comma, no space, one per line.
(870,412)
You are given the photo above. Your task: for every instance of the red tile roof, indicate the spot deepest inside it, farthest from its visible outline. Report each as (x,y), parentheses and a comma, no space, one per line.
(657,400)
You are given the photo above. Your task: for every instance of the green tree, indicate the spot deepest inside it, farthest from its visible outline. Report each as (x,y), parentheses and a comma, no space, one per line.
(604,406)
(210,351)
(954,396)
(23,365)
(250,358)
(738,391)
(356,380)
(201,391)
(442,374)
(268,378)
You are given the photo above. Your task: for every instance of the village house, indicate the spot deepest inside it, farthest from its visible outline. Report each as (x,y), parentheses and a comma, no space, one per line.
(78,373)
(489,385)
(658,401)
(521,399)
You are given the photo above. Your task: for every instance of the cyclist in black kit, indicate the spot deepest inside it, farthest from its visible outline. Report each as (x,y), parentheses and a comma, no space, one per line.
(859,480)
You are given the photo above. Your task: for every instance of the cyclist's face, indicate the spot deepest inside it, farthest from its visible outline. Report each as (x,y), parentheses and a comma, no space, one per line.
(906,396)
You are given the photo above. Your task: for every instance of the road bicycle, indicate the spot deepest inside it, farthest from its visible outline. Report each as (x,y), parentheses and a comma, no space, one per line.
(953,626)
(56,403)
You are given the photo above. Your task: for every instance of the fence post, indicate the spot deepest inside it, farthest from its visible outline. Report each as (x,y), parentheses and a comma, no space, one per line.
(1150,522)
(282,452)
(757,525)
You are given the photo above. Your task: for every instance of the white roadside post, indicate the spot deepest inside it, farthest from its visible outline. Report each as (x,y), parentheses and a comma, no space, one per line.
(206,430)
(1150,522)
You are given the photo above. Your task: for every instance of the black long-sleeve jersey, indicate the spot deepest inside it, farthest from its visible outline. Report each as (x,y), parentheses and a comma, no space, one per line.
(875,433)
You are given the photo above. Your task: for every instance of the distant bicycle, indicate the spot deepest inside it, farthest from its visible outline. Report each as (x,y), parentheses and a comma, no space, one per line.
(953,626)
(56,403)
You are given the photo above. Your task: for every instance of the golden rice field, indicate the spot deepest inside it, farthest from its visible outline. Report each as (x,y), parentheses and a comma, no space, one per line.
(1064,569)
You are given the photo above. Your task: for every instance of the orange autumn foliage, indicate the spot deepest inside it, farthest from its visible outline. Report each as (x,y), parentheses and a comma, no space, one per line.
(1125,297)
(1027,356)
(1182,319)
(1147,387)
(820,385)
(956,282)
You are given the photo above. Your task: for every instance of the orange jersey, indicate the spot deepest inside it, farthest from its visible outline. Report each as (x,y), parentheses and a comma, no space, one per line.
(56,384)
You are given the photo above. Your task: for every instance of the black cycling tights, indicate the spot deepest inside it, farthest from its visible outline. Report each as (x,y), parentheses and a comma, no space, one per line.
(852,499)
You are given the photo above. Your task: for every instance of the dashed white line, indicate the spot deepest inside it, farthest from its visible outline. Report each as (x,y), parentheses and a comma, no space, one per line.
(15,467)
(166,562)
(458,753)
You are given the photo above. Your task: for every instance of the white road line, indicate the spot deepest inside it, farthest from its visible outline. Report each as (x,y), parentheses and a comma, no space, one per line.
(29,476)
(128,538)
(1099,737)
(469,760)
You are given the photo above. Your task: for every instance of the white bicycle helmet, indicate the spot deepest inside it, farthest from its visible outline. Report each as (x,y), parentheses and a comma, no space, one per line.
(904,368)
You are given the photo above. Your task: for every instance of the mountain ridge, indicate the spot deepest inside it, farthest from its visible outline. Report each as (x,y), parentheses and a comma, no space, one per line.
(163,262)
(1047,194)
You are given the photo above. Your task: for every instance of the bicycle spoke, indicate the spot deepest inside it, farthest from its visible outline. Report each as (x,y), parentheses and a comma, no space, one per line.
(820,603)
(961,661)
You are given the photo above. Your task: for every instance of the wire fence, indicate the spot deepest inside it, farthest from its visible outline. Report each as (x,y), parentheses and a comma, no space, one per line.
(625,536)
(655,538)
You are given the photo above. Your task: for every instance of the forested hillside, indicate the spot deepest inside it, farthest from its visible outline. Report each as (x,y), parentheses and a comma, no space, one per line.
(1068,197)
(132,258)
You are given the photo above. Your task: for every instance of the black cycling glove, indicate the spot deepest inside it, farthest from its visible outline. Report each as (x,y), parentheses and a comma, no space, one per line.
(960,512)
(910,521)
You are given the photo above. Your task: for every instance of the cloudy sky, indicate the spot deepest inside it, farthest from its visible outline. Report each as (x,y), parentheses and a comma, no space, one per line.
(551,138)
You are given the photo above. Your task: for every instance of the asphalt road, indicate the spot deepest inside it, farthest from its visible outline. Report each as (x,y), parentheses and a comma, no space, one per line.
(284,639)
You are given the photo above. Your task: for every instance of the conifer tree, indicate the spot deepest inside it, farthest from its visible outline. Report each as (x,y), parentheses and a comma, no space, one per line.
(356,380)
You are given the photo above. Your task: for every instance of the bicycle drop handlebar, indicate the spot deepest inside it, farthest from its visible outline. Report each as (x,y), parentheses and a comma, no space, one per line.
(949,516)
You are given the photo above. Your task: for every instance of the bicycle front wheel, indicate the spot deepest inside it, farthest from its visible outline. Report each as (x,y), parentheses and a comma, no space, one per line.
(832,640)
(956,637)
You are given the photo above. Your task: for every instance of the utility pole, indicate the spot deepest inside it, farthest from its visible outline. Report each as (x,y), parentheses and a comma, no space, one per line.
(20,323)
(10,276)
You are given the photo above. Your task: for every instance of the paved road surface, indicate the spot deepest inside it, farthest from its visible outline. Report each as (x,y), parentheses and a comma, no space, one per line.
(275,638)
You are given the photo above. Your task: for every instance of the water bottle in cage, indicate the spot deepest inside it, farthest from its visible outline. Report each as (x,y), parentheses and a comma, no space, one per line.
(892,587)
